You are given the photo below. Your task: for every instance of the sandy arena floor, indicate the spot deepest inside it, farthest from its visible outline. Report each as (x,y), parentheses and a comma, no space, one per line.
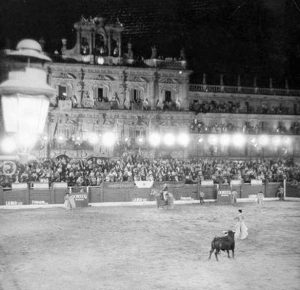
(142,247)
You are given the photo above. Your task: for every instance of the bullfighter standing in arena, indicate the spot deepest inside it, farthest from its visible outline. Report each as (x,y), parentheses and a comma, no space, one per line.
(67,202)
(260,198)
(241,230)
(201,197)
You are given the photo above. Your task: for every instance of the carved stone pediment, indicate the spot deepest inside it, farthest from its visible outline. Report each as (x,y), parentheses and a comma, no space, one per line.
(169,81)
(138,79)
(64,75)
(105,78)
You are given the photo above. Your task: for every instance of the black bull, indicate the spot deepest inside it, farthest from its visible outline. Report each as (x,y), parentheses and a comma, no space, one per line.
(225,243)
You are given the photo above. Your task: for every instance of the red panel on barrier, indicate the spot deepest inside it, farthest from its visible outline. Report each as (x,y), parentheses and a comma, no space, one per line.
(79,200)
(224,197)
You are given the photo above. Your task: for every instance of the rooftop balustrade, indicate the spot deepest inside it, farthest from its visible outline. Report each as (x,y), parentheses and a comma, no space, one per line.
(242,90)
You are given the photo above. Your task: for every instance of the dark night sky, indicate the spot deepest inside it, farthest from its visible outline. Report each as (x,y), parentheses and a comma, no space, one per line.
(247,37)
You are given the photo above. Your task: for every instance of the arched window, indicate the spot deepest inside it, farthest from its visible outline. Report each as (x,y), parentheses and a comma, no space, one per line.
(84,48)
(100,47)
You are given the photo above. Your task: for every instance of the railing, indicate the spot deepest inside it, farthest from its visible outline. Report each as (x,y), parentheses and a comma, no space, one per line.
(242,90)
(66,105)
(249,133)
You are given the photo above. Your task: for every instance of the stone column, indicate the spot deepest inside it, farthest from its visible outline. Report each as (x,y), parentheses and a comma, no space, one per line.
(255,85)
(204,82)
(287,85)
(185,90)
(155,89)
(120,45)
(90,43)
(92,52)
(109,43)
(271,83)
(78,44)
(222,82)
(239,83)
(64,46)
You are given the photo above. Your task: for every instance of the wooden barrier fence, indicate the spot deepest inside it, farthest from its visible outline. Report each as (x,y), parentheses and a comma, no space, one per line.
(125,191)
(292,190)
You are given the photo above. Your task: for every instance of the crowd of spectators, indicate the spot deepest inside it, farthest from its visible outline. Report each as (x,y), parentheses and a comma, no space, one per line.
(198,126)
(236,108)
(131,168)
(174,105)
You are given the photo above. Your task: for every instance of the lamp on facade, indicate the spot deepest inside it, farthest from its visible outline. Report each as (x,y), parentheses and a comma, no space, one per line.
(109,139)
(183,139)
(100,60)
(25,95)
(154,139)
(238,139)
(169,139)
(225,139)
(93,138)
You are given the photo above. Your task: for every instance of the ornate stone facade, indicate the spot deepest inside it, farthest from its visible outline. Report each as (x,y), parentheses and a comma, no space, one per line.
(134,98)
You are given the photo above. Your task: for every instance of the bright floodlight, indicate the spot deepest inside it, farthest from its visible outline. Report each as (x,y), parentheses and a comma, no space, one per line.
(264,140)
(200,140)
(287,140)
(154,139)
(183,139)
(8,145)
(239,139)
(60,139)
(225,139)
(100,60)
(212,139)
(93,138)
(140,140)
(169,139)
(276,140)
(109,139)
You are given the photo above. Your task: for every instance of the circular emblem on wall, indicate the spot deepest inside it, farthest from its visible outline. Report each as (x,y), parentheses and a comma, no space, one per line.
(9,168)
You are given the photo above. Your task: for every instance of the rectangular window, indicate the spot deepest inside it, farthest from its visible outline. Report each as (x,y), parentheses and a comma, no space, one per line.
(168,96)
(100,95)
(140,133)
(136,96)
(62,92)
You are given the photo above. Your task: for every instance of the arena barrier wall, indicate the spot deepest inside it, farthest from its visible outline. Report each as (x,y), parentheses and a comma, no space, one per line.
(39,193)
(179,190)
(127,191)
(292,190)
(1,196)
(95,194)
(271,189)
(16,196)
(124,191)
(58,191)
